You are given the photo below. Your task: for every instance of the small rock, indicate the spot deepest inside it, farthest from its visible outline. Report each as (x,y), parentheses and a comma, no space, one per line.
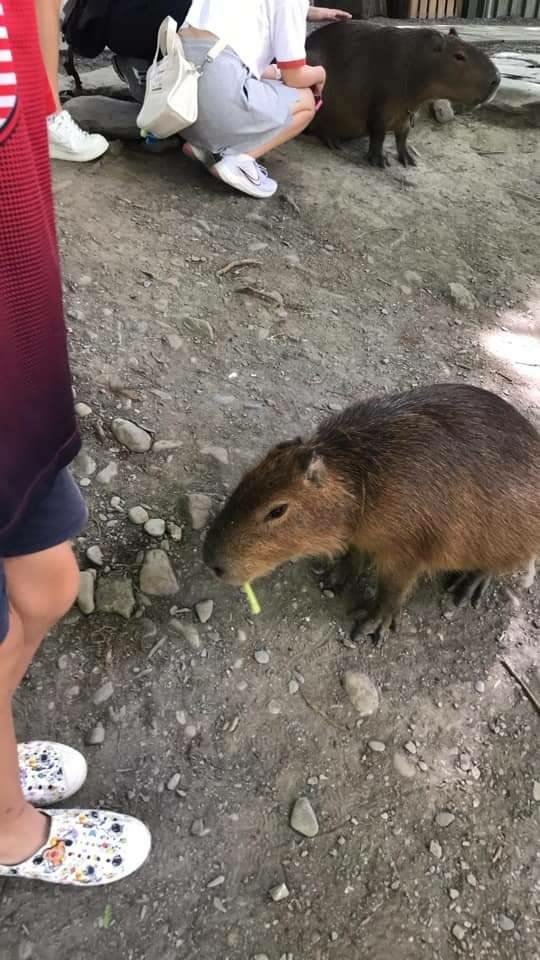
(115,595)
(157,577)
(175,532)
(84,465)
(279,892)
(138,516)
(377,746)
(536,791)
(175,342)
(465,762)
(83,410)
(480,686)
(217,882)
(403,766)
(204,610)
(274,707)
(294,686)
(87,586)
(471,880)
(505,923)
(410,747)
(173,782)
(199,507)
(190,732)
(303,818)
(131,436)
(26,950)
(164,446)
(453,893)
(155,527)
(461,297)
(435,849)
(198,829)
(103,693)
(108,474)
(444,818)
(95,556)
(188,632)
(96,736)
(219,454)
(262,657)
(442,111)
(63,661)
(260,956)
(458,931)
(362,692)
(334,936)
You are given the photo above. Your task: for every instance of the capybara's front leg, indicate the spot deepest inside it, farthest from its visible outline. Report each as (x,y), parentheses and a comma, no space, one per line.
(469,587)
(380,615)
(405,156)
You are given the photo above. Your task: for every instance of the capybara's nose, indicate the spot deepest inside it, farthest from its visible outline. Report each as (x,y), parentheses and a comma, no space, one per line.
(219,571)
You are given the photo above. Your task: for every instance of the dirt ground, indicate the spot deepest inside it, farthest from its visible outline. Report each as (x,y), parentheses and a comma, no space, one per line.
(349,296)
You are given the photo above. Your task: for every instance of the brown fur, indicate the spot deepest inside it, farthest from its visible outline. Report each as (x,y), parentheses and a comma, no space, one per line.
(377,77)
(442,478)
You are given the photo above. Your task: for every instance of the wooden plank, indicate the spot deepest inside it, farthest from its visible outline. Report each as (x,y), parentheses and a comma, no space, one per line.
(483,33)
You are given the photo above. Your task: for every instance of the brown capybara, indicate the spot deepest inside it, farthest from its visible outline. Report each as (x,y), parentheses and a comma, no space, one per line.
(442,478)
(377,77)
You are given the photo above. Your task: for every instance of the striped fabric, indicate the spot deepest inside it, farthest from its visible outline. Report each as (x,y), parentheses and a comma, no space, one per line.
(8,78)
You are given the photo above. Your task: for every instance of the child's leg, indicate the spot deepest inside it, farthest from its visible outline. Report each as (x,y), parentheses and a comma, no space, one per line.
(303,112)
(41,588)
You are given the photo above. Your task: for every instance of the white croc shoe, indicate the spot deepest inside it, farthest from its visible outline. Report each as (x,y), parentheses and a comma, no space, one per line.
(86,848)
(244,173)
(67,141)
(50,772)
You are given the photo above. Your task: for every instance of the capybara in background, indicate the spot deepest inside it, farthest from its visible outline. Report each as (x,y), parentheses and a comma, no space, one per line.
(377,77)
(442,478)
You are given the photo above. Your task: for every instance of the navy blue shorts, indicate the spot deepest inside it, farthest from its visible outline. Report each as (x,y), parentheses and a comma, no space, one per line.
(57,516)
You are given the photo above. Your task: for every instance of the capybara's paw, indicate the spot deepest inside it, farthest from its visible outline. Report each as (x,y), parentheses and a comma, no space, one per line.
(406,158)
(372,624)
(376,158)
(469,588)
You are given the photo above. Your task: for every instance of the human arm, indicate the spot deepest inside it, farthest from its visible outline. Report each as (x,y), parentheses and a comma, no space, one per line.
(304,76)
(48,17)
(317,14)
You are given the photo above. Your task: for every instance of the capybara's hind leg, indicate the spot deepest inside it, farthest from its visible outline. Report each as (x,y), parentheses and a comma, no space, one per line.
(469,587)
(379,616)
(405,156)
(376,155)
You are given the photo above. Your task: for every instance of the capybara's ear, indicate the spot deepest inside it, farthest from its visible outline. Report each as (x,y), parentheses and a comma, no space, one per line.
(453,32)
(438,41)
(316,472)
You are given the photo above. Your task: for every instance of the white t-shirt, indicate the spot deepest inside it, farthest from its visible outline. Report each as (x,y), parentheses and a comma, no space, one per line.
(259,31)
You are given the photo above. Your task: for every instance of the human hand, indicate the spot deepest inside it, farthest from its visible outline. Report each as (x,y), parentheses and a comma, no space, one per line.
(325,13)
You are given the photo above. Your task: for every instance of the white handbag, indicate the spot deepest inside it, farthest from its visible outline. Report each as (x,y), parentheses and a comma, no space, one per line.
(171,100)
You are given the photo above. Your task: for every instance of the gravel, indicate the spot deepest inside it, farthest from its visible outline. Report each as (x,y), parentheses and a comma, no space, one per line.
(199,508)
(362,692)
(303,818)
(188,632)
(84,465)
(173,782)
(204,610)
(83,410)
(87,587)
(115,595)
(505,923)
(444,818)
(410,747)
(377,746)
(262,657)
(138,516)
(157,577)
(103,693)
(109,473)
(96,736)
(458,931)
(131,436)
(403,766)
(95,555)
(435,849)
(155,527)
(279,892)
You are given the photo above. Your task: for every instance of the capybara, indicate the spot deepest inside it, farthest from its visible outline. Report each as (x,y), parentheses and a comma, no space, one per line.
(442,478)
(377,77)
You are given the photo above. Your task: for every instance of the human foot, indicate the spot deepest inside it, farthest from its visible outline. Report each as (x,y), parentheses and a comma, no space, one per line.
(50,772)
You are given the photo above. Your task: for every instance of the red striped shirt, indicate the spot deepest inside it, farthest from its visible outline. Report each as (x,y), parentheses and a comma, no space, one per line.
(38,433)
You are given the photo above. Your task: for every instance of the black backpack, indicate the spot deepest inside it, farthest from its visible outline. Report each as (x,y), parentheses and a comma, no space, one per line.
(84,26)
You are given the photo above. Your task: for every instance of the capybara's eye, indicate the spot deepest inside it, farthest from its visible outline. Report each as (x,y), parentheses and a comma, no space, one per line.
(459,56)
(277,512)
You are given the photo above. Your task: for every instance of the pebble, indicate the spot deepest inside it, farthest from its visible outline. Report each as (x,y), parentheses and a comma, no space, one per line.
(198,829)
(362,692)
(63,661)
(95,556)
(173,782)
(444,818)
(303,818)
(377,746)
(199,508)
(453,893)
(217,882)
(471,880)
(260,956)
(435,849)
(131,436)
(410,747)
(536,791)
(155,527)
(403,766)
(84,465)
(175,532)
(163,446)
(480,686)
(83,410)
(115,595)
(442,111)
(188,632)
(204,610)
(274,707)
(294,686)
(219,454)
(87,586)
(458,931)
(138,516)
(505,923)
(262,657)
(96,736)
(103,693)
(26,950)
(461,297)
(108,474)
(157,577)
(279,892)
(190,732)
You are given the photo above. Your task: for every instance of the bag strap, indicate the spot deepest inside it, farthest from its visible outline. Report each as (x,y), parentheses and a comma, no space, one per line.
(218,48)
(166,37)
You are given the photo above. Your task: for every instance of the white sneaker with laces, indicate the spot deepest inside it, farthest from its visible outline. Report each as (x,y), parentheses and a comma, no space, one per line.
(244,173)
(86,848)
(50,772)
(67,141)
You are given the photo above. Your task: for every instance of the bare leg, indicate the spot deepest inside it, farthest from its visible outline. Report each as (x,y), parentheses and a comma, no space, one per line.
(41,588)
(48,15)
(303,112)
(392,589)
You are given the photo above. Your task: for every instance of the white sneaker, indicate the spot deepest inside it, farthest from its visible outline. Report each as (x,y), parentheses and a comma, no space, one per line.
(244,173)
(68,142)
(50,772)
(86,848)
